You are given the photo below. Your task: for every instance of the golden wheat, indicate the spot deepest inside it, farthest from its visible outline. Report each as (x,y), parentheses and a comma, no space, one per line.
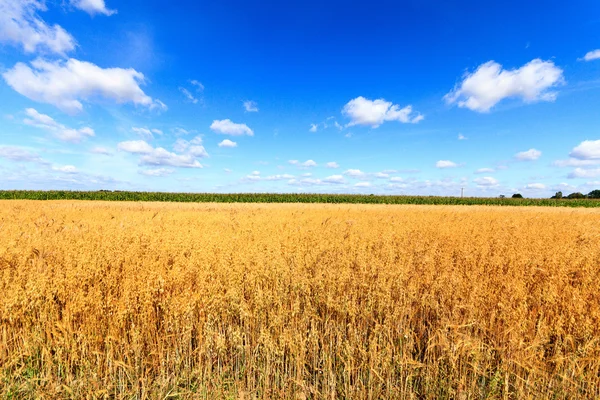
(146,300)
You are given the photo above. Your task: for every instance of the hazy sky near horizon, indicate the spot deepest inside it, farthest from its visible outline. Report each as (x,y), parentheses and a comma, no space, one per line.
(411,97)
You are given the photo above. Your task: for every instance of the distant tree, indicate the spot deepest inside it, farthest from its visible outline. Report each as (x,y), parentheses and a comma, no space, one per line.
(502,196)
(594,194)
(576,195)
(558,195)
(517,196)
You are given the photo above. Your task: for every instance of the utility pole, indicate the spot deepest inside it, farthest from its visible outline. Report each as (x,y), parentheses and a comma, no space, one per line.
(462,192)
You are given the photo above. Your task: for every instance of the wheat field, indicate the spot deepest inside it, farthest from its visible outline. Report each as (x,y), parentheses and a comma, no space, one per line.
(298,301)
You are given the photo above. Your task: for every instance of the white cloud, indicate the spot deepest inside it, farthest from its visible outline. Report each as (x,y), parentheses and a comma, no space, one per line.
(529,155)
(574,162)
(180,131)
(591,55)
(310,181)
(253,177)
(535,186)
(313,128)
(308,164)
(157,131)
(227,143)
(14,153)
(335,179)
(446,164)
(227,170)
(381,175)
(93,7)
(65,84)
(197,151)
(396,179)
(354,173)
(373,113)
(69,169)
(587,150)
(250,106)
(332,164)
(199,85)
(60,131)
(157,172)
(485,171)
(461,137)
(293,162)
(160,156)
(143,132)
(188,95)
(584,173)
(489,84)
(279,177)
(227,127)
(182,145)
(363,184)
(135,147)
(101,150)
(21,25)
(486,181)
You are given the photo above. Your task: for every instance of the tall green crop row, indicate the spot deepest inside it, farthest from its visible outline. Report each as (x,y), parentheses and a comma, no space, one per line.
(286,198)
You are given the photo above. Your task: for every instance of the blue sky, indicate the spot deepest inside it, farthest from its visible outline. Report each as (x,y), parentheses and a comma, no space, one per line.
(415,97)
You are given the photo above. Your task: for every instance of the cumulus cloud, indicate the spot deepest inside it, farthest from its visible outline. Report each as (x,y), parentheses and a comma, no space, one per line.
(293,162)
(584,173)
(135,147)
(574,162)
(446,164)
(313,128)
(65,84)
(332,164)
(160,156)
(373,113)
(363,185)
(227,143)
(60,131)
(486,181)
(485,171)
(461,137)
(591,55)
(587,150)
(250,106)
(529,155)
(354,173)
(490,83)
(535,186)
(192,147)
(308,164)
(281,177)
(227,127)
(335,179)
(157,172)
(21,25)
(93,7)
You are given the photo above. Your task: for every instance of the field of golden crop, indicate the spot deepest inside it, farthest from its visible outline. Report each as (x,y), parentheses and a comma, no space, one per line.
(149,300)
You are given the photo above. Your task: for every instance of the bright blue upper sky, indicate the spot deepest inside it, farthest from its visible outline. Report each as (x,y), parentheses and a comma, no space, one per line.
(416,97)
